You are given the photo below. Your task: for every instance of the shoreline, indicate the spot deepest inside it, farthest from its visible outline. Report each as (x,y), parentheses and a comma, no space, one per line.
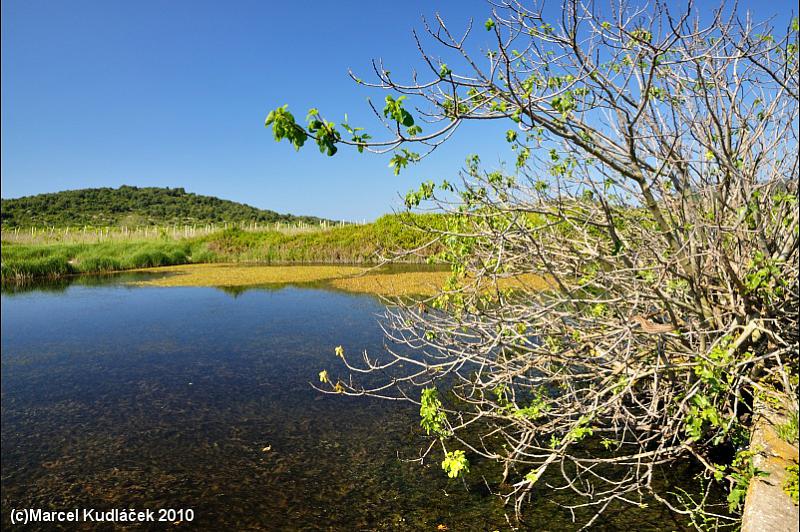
(367,245)
(393,280)
(384,280)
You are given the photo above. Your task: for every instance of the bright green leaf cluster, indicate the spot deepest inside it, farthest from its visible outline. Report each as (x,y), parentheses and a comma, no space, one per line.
(285,127)
(401,158)
(394,109)
(324,132)
(434,419)
(579,432)
(415,197)
(641,34)
(535,410)
(359,138)
(700,413)
(743,472)
(455,463)
(564,104)
(533,475)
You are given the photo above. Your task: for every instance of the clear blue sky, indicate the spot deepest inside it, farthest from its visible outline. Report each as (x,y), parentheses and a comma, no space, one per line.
(174,93)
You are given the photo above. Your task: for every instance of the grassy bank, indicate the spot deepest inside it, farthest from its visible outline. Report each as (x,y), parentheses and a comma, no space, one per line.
(29,262)
(353,244)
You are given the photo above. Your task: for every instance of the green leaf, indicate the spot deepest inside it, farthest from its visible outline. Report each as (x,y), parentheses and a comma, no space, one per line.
(284,127)
(434,419)
(401,159)
(455,463)
(394,109)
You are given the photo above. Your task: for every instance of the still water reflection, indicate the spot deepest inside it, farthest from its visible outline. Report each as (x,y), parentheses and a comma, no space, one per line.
(121,397)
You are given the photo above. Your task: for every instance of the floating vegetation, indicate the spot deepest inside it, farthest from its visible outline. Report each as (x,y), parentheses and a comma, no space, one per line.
(226,275)
(353,279)
(388,283)
(394,284)
(424,283)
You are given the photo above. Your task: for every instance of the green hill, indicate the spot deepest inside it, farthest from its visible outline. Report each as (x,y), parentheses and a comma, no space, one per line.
(132,206)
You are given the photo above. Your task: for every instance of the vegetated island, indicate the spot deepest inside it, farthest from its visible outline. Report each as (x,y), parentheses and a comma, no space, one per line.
(105,230)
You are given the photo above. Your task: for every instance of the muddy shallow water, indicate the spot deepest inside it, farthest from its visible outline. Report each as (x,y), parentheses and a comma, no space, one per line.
(119,396)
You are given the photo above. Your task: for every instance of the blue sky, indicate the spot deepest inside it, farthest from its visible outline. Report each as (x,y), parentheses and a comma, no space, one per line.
(174,93)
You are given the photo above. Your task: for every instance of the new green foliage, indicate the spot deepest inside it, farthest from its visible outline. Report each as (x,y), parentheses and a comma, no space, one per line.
(455,463)
(434,419)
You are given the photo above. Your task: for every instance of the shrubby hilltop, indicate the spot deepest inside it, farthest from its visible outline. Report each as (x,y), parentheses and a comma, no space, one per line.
(132,206)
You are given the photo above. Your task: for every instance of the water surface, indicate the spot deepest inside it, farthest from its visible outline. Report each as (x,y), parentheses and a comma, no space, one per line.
(136,397)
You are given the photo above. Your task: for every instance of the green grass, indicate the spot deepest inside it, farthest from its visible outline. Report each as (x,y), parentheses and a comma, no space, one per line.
(25,262)
(348,244)
(790,486)
(788,431)
(351,244)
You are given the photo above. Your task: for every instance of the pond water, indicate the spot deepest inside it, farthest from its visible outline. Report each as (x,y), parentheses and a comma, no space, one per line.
(116,396)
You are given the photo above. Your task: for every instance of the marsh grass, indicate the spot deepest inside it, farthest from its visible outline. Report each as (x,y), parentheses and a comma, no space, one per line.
(349,244)
(26,262)
(123,233)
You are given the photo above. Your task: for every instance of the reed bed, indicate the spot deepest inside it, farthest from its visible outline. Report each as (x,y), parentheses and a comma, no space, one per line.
(27,262)
(91,235)
(57,253)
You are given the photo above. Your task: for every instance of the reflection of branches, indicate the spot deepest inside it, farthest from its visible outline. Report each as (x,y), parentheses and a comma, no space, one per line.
(666,230)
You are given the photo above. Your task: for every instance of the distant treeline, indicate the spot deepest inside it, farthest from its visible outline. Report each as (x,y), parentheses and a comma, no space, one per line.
(132,206)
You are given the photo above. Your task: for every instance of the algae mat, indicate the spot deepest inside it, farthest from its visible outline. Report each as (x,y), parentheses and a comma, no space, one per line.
(393,284)
(427,283)
(346,278)
(244,274)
